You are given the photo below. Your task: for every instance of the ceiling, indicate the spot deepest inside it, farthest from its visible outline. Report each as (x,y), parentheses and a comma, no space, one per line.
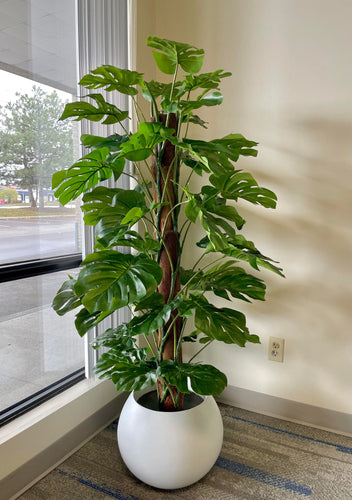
(38,41)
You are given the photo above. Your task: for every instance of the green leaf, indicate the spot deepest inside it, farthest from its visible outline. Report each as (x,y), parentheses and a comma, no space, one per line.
(65,299)
(242,185)
(220,152)
(239,248)
(151,245)
(141,144)
(227,278)
(145,324)
(133,215)
(204,379)
(82,109)
(171,54)
(152,320)
(152,90)
(112,78)
(223,324)
(124,363)
(95,201)
(205,80)
(195,165)
(216,161)
(127,207)
(112,142)
(192,209)
(234,145)
(85,174)
(85,320)
(216,228)
(154,301)
(111,280)
(128,238)
(213,99)
(127,375)
(109,207)
(169,106)
(194,119)
(215,204)
(192,337)
(121,340)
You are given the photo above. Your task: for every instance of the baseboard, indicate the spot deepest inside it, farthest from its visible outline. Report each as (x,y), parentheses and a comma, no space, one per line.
(286,409)
(28,474)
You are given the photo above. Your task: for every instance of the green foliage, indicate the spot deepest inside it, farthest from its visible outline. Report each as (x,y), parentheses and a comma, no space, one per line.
(111,78)
(85,174)
(225,279)
(9,195)
(110,278)
(93,113)
(141,144)
(113,142)
(65,300)
(223,324)
(33,143)
(169,55)
(204,379)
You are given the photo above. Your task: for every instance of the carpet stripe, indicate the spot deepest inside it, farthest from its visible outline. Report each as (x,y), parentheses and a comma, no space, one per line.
(343,449)
(262,476)
(103,488)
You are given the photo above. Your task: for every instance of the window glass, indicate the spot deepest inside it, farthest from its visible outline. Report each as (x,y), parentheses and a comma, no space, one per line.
(37,77)
(37,348)
(33,145)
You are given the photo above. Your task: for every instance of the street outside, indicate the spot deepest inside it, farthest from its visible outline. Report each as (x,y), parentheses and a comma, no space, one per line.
(38,237)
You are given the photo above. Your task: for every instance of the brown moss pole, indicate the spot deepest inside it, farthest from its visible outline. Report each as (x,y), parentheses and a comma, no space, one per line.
(163,170)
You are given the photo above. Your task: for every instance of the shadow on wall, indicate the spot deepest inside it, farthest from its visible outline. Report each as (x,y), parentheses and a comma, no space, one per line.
(312,226)
(310,233)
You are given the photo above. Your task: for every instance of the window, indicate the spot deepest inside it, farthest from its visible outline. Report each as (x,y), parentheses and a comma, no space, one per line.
(39,239)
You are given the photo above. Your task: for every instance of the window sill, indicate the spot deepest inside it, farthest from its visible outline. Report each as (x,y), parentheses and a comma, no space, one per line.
(37,441)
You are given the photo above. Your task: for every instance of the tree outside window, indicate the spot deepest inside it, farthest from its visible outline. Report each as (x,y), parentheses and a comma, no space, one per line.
(33,143)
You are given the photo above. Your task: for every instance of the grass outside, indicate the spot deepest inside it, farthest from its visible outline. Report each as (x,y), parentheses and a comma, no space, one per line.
(34,212)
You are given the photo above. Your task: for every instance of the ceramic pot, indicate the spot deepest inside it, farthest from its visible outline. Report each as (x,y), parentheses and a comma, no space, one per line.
(170,450)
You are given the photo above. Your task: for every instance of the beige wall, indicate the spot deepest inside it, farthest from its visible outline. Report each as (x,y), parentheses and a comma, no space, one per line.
(291,91)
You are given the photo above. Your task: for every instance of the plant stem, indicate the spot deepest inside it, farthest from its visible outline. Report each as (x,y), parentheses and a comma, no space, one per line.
(150,346)
(200,350)
(138,109)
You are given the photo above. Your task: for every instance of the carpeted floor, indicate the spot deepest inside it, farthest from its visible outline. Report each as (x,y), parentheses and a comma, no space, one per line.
(262,458)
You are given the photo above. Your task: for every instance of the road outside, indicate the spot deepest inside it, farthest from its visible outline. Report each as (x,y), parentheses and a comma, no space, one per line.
(34,238)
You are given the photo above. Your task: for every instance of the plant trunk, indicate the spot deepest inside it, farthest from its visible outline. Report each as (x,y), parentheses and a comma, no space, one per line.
(164,169)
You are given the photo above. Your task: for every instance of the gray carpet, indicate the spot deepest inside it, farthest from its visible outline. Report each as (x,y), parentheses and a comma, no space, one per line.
(262,458)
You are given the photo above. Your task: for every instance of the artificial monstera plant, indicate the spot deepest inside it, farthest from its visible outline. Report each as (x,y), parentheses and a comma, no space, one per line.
(154,220)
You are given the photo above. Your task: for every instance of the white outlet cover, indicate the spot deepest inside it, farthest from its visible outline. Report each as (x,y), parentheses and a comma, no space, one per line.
(276,349)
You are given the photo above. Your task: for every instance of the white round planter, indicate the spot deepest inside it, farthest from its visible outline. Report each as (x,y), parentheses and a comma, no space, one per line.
(169,449)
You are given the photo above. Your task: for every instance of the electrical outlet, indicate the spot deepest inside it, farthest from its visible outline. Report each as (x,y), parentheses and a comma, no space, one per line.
(276,349)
